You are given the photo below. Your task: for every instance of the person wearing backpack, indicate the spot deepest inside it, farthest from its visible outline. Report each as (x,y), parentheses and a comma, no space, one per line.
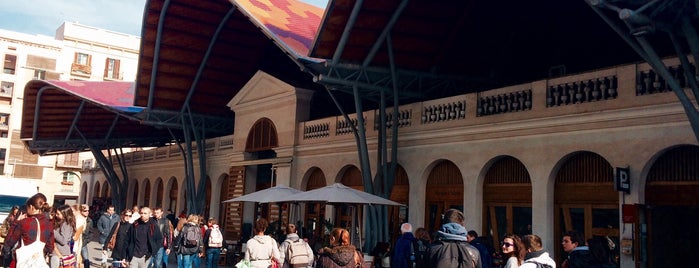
(295,251)
(189,242)
(450,248)
(213,243)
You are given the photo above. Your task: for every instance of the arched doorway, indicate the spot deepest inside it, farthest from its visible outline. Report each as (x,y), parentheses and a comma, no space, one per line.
(351,177)
(173,194)
(445,190)
(96,191)
(83,193)
(315,211)
(207,201)
(147,193)
(261,140)
(400,192)
(159,193)
(134,201)
(107,192)
(672,211)
(507,200)
(585,199)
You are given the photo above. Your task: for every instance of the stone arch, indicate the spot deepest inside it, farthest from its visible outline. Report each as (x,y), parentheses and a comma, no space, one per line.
(159,188)
(172,193)
(399,193)
(96,191)
(444,190)
(671,190)
(83,193)
(136,194)
(584,197)
(262,136)
(507,198)
(314,213)
(147,193)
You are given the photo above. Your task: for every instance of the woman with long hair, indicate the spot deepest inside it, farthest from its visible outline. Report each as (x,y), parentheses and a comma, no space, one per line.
(26,227)
(262,249)
(122,229)
(340,253)
(513,251)
(63,232)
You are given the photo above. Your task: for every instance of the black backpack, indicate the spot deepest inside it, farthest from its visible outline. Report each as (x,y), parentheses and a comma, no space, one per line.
(190,237)
(419,253)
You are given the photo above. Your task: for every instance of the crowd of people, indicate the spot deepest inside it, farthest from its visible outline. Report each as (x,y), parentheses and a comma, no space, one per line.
(141,237)
(39,235)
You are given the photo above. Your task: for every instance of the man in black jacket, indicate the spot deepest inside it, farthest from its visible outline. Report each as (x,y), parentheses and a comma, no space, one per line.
(145,240)
(451,249)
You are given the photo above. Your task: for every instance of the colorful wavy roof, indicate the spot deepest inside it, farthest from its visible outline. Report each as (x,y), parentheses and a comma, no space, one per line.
(118,95)
(291,22)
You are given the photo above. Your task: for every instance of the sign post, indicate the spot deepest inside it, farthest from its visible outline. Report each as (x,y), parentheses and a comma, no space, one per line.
(622,180)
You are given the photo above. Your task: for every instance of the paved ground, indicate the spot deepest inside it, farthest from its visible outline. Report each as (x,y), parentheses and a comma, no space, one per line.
(96,256)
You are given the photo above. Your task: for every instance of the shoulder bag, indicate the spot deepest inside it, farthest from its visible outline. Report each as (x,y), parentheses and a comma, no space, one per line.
(32,255)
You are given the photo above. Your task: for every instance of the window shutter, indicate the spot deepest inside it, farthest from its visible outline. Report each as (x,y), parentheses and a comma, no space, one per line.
(116,69)
(106,68)
(75,58)
(89,60)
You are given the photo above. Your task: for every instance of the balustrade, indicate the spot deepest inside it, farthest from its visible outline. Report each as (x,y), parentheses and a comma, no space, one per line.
(505,103)
(444,112)
(316,131)
(345,127)
(649,82)
(404,119)
(597,89)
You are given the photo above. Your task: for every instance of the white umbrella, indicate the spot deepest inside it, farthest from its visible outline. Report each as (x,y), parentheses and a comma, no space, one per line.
(278,193)
(339,193)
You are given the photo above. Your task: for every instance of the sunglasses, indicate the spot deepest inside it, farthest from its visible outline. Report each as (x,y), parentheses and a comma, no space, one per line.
(507,245)
(128,215)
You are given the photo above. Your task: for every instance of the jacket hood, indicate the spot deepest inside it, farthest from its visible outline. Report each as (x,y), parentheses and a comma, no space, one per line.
(293,237)
(341,255)
(452,231)
(261,238)
(540,257)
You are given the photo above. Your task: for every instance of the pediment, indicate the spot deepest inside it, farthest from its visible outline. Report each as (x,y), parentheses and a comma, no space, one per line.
(262,87)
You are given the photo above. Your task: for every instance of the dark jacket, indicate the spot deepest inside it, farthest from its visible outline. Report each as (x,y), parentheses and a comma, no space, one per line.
(486,259)
(166,231)
(402,251)
(154,236)
(452,250)
(105,224)
(88,232)
(579,258)
(337,257)
(122,238)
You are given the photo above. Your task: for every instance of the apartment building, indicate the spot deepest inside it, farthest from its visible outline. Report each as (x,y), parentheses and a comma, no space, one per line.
(76,53)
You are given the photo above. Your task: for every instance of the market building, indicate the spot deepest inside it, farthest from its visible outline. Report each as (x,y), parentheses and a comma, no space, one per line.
(605,148)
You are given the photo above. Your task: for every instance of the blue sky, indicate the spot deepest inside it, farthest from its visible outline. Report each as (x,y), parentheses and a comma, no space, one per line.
(45,16)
